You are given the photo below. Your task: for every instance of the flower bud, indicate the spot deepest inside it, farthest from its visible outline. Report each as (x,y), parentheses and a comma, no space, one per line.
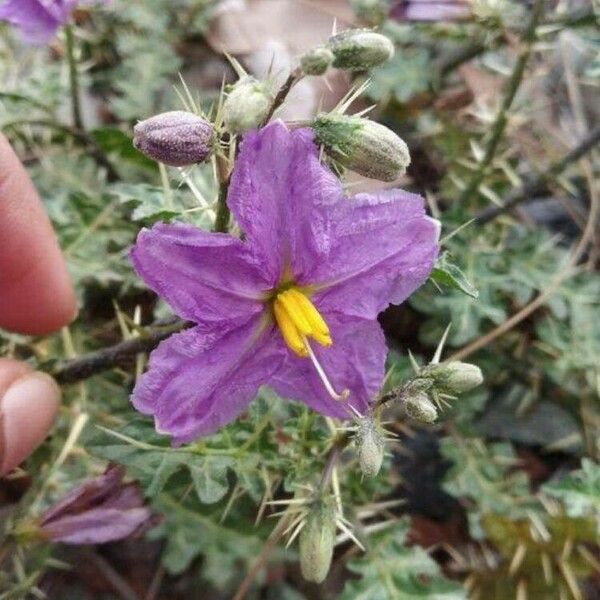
(360,49)
(247,105)
(363,146)
(317,540)
(316,61)
(370,445)
(456,377)
(175,138)
(419,407)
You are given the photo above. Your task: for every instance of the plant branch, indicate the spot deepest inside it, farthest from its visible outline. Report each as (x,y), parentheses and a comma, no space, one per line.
(73,78)
(119,355)
(293,78)
(450,61)
(84,138)
(538,183)
(567,271)
(501,120)
(258,564)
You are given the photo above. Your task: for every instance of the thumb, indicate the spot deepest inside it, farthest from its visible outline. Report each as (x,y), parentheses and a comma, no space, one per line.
(29,403)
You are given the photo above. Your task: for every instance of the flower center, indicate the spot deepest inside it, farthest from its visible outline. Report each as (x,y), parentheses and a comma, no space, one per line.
(298,319)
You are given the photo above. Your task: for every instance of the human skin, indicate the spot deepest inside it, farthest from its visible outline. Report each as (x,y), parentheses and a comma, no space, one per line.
(36,298)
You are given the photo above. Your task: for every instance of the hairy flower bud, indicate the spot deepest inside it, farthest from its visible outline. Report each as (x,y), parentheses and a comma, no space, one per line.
(362,145)
(317,540)
(316,61)
(175,138)
(360,49)
(456,377)
(370,445)
(419,407)
(247,105)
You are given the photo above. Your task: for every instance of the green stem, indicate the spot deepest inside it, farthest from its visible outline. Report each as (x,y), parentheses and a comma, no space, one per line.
(223,214)
(73,78)
(501,120)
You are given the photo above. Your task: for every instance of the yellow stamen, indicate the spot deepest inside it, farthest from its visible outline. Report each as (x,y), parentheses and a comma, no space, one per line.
(290,333)
(297,318)
(312,315)
(294,310)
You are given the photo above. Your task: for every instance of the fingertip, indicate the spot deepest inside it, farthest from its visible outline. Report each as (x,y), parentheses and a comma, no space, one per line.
(28,409)
(37,295)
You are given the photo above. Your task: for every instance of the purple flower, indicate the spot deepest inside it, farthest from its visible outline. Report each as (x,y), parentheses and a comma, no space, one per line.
(100,510)
(294,305)
(431,10)
(38,20)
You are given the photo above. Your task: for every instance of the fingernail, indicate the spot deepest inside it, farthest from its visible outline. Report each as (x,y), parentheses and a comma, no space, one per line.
(27,411)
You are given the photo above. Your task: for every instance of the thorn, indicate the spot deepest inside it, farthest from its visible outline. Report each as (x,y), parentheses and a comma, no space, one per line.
(438,352)
(517,559)
(413,362)
(567,549)
(547,567)
(570,579)
(295,534)
(351,535)
(589,557)
(521,590)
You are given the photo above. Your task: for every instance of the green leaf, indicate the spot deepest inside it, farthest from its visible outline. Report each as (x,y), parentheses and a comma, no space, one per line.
(446,273)
(117,144)
(407,74)
(190,531)
(579,491)
(153,462)
(484,474)
(392,571)
(149,202)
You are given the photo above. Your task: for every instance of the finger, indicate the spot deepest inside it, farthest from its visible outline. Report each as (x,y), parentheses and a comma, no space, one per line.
(29,403)
(36,295)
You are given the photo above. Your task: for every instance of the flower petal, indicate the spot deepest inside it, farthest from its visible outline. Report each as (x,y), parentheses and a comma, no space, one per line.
(37,21)
(279,193)
(430,10)
(205,277)
(203,378)
(97,526)
(90,493)
(385,248)
(355,362)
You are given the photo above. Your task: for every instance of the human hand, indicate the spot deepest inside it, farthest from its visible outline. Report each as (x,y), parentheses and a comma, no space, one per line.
(36,297)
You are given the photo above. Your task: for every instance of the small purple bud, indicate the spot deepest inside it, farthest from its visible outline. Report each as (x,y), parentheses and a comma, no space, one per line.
(102,509)
(175,138)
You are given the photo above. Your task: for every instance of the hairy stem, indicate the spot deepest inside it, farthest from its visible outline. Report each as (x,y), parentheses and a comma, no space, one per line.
(119,355)
(501,120)
(73,78)
(294,77)
(223,213)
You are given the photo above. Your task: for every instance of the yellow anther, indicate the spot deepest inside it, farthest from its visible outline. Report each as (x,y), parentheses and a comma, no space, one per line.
(291,335)
(294,310)
(313,316)
(297,317)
